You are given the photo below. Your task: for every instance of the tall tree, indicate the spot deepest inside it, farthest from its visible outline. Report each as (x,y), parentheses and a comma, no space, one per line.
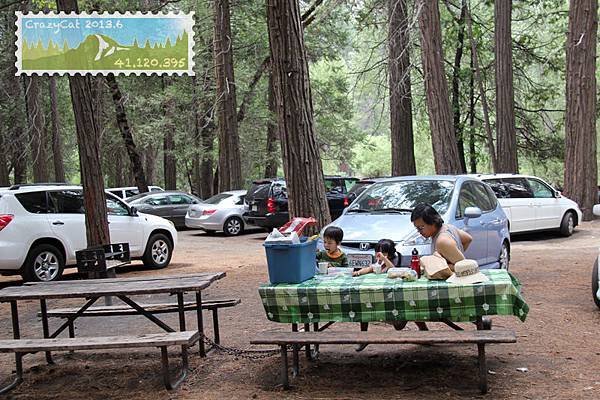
(445,150)
(88,134)
(506,135)
(458,126)
(37,123)
(230,167)
(169,162)
(4,173)
(581,173)
(272,134)
(403,154)
(301,159)
(125,129)
(57,153)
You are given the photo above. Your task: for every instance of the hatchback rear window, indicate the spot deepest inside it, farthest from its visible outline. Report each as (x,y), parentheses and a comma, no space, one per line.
(33,202)
(216,199)
(259,190)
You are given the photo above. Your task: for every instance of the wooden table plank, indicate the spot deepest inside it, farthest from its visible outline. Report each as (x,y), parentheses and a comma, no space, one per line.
(207,276)
(100,287)
(412,337)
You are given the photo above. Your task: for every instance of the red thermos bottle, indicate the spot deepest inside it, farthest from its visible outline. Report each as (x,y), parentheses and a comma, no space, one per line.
(415,264)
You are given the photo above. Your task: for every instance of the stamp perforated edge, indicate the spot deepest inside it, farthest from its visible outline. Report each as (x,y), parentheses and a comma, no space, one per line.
(105,14)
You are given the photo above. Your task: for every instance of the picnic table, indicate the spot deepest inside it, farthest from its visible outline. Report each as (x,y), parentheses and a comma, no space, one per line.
(91,291)
(327,299)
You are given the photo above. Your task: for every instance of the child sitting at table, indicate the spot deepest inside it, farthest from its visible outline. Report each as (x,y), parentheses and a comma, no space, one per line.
(385,254)
(332,237)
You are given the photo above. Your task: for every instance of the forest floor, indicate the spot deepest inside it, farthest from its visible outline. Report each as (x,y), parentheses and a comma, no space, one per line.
(558,344)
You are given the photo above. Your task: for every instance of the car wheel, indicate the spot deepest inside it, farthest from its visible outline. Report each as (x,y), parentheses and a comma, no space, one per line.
(44,263)
(233,226)
(567,225)
(504,257)
(158,251)
(595,283)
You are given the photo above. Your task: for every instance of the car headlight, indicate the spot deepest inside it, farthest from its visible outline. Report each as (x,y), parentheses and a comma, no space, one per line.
(415,239)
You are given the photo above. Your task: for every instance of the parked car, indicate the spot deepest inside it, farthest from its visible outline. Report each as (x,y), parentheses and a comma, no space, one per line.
(170,205)
(268,203)
(531,204)
(222,212)
(383,211)
(41,228)
(130,191)
(360,187)
(595,276)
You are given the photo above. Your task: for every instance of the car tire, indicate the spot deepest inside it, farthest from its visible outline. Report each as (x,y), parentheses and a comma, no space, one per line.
(158,251)
(595,283)
(504,256)
(44,263)
(567,225)
(233,226)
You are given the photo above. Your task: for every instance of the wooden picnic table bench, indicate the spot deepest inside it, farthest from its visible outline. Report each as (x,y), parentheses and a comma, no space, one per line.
(162,340)
(479,337)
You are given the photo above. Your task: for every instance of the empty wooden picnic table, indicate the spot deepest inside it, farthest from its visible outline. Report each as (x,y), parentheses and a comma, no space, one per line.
(92,290)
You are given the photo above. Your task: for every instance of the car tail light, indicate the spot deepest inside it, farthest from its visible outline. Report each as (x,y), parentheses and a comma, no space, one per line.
(5,220)
(270,205)
(346,202)
(208,212)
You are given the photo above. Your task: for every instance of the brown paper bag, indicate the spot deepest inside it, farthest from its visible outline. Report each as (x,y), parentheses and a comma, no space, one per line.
(435,267)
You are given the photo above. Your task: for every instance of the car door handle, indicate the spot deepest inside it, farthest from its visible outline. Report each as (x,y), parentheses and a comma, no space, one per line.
(58,223)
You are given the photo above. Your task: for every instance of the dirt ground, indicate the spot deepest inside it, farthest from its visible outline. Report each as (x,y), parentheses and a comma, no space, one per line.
(559,344)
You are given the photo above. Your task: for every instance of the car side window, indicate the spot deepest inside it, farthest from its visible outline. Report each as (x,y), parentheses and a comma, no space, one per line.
(540,190)
(349,183)
(157,201)
(498,187)
(517,188)
(240,201)
(66,202)
(470,196)
(118,193)
(131,192)
(179,199)
(115,207)
(491,197)
(482,197)
(33,202)
(279,191)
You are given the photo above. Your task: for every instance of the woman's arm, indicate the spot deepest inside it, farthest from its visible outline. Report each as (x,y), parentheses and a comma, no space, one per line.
(446,247)
(465,238)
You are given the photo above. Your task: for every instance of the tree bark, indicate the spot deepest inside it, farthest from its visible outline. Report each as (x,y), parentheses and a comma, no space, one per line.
(123,124)
(230,168)
(86,123)
(57,156)
(484,104)
(472,154)
(169,162)
(4,174)
(445,150)
(458,128)
(37,133)
(272,133)
(149,156)
(301,159)
(581,173)
(403,154)
(506,135)
(19,155)
(205,138)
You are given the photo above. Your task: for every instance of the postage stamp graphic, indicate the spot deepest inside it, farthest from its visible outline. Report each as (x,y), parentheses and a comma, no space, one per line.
(129,43)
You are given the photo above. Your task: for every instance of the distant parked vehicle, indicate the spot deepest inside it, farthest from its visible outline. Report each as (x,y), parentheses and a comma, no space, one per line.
(222,212)
(361,186)
(531,204)
(170,205)
(130,191)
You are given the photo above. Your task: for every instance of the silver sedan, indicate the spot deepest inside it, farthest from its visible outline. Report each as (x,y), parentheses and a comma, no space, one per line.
(222,212)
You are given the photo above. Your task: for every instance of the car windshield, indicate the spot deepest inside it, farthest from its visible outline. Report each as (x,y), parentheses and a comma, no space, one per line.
(216,199)
(403,196)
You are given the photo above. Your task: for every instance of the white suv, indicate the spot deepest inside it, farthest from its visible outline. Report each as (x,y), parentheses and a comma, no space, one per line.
(531,204)
(41,227)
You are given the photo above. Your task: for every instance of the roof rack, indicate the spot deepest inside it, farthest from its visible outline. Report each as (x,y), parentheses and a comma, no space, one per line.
(22,185)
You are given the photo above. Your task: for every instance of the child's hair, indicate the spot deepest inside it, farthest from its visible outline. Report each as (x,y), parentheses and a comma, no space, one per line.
(335,233)
(386,246)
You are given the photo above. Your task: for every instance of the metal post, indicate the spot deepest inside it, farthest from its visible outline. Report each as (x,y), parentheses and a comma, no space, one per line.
(215,314)
(483,386)
(284,373)
(200,323)
(44,310)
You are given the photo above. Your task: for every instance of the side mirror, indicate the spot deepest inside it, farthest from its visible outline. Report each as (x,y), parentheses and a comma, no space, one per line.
(596,210)
(472,212)
(557,194)
(133,211)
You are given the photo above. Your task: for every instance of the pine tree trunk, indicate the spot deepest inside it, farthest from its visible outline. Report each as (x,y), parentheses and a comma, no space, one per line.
(19,155)
(150,154)
(403,154)
(169,162)
(4,174)
(472,153)
(205,138)
(484,104)
(581,173)
(230,169)
(37,139)
(445,150)
(57,156)
(301,159)
(506,135)
(86,123)
(458,128)
(123,124)
(272,133)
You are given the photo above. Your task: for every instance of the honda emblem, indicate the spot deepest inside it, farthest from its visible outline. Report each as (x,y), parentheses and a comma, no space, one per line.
(364,246)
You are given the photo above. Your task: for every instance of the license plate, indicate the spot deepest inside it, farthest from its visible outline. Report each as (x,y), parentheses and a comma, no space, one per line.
(359,260)
(254,208)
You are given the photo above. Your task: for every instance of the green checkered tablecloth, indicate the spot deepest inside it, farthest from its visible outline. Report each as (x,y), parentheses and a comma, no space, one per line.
(374,297)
